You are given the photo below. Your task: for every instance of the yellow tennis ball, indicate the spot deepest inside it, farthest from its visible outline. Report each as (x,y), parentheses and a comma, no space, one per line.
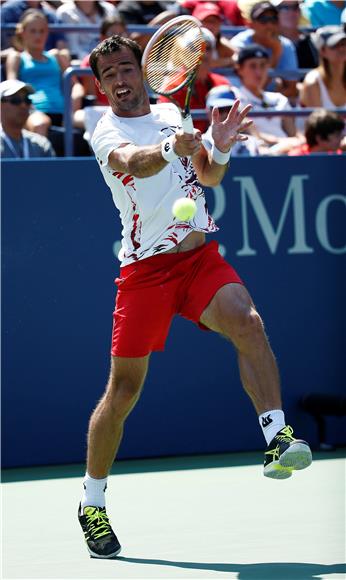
(184,209)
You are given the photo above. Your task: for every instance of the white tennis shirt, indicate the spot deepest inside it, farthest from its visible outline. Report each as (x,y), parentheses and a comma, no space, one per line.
(145,204)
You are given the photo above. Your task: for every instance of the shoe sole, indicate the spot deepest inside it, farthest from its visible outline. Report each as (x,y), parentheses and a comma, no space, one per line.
(97,556)
(296,457)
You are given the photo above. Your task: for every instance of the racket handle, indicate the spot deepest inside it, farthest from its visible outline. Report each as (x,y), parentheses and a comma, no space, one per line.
(187,124)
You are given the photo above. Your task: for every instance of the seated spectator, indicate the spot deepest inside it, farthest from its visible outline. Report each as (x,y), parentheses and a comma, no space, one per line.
(41,69)
(325,86)
(210,16)
(205,81)
(323,134)
(323,12)
(12,12)
(289,18)
(264,30)
(16,142)
(84,12)
(111,25)
(223,98)
(252,68)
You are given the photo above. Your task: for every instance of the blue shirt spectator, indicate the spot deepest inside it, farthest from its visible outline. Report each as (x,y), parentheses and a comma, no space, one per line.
(323,12)
(13,10)
(288,59)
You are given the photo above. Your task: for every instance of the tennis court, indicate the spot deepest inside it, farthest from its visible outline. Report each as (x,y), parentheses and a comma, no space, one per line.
(210,516)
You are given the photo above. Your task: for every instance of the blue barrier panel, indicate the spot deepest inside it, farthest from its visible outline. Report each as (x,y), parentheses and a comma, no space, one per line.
(282,226)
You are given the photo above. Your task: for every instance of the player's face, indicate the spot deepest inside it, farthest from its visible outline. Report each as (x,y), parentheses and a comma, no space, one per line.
(121,81)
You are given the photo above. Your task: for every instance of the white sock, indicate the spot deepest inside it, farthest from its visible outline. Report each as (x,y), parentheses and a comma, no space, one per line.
(94,492)
(271,422)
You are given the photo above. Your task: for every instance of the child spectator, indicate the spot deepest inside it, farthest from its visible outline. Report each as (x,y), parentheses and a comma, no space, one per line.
(252,68)
(325,86)
(323,134)
(84,12)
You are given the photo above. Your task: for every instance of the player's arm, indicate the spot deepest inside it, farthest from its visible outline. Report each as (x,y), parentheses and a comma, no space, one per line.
(211,166)
(147,160)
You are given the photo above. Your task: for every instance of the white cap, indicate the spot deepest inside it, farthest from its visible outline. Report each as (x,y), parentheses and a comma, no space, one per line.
(13,86)
(208,36)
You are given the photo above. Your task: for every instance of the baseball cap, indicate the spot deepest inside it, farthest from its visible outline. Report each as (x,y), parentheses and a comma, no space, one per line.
(251,51)
(221,96)
(205,9)
(13,86)
(328,36)
(260,7)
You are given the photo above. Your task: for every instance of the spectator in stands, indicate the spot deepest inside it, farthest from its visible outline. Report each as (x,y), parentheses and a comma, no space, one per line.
(323,12)
(13,10)
(231,14)
(264,30)
(84,12)
(289,18)
(15,141)
(223,97)
(41,69)
(325,86)
(148,12)
(205,81)
(252,68)
(323,134)
(210,16)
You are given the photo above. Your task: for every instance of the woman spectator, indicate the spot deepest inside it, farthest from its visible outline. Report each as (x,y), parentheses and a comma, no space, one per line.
(325,86)
(41,69)
(84,12)
(280,132)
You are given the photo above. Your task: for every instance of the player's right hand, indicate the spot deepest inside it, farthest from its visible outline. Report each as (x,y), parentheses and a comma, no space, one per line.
(186,144)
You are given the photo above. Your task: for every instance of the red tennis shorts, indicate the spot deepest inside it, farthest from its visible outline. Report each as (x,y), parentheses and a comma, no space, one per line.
(153,290)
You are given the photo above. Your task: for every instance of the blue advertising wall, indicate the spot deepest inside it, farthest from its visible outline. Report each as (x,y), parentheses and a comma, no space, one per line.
(282,225)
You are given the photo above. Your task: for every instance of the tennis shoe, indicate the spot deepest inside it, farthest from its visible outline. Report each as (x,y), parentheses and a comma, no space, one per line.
(99,536)
(285,454)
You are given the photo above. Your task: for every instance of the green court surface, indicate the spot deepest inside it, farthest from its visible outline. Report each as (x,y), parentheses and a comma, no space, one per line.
(193,517)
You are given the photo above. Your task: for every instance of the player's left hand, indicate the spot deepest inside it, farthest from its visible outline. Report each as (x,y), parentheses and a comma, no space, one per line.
(226,133)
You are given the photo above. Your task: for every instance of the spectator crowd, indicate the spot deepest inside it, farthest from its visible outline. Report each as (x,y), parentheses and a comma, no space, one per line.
(277,55)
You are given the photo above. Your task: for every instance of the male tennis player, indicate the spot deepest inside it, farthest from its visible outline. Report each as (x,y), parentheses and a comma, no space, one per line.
(167,268)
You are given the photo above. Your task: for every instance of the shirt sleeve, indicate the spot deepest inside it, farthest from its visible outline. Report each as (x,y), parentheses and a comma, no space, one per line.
(106,139)
(288,60)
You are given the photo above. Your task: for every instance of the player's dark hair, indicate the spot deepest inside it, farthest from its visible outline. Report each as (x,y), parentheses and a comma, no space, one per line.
(322,123)
(113,44)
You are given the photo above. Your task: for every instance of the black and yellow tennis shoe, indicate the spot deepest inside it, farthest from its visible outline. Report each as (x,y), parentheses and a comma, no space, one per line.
(99,536)
(285,454)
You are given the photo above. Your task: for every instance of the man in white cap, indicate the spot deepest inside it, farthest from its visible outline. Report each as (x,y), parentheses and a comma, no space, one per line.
(15,141)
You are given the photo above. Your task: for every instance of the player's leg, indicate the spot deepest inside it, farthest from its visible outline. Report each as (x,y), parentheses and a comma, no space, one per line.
(232,313)
(106,426)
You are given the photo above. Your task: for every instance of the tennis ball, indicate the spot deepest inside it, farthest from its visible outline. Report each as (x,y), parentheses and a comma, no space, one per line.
(184,209)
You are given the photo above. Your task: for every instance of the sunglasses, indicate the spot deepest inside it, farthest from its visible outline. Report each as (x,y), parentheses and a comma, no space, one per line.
(289,7)
(265,19)
(17,100)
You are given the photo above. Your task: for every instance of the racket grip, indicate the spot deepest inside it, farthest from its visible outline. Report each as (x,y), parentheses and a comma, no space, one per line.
(187,124)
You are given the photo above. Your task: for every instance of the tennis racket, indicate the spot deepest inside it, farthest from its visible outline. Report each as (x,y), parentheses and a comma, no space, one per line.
(171,60)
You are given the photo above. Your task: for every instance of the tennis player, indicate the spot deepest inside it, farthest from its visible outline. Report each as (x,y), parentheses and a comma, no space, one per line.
(167,268)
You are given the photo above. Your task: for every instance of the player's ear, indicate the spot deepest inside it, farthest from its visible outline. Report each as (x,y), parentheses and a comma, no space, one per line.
(98,84)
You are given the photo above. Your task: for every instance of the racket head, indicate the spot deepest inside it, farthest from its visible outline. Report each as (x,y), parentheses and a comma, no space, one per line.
(173,54)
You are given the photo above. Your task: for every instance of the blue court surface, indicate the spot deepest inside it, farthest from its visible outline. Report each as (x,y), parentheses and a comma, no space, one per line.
(210,516)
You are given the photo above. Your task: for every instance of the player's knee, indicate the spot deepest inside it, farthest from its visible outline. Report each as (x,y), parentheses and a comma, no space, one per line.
(122,394)
(246,324)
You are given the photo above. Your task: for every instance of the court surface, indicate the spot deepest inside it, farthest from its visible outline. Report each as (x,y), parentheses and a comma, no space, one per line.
(192,517)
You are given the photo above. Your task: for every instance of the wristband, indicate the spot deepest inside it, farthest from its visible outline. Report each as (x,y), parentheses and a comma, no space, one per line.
(218,156)
(167,150)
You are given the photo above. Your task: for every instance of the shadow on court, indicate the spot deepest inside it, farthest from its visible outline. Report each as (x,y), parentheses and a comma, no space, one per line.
(260,571)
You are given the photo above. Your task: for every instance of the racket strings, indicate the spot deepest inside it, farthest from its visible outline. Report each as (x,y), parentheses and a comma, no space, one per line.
(174,57)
